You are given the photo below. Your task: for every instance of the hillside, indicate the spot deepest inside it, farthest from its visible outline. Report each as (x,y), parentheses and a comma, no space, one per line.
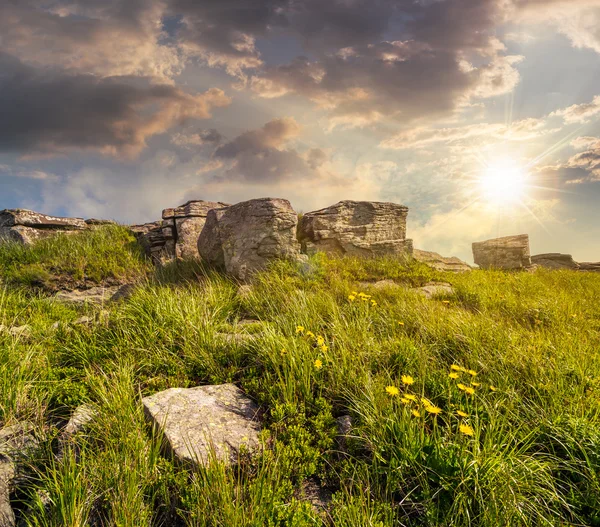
(476,405)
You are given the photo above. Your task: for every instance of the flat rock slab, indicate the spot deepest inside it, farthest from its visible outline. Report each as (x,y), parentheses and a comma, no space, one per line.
(441,263)
(196,421)
(509,252)
(93,295)
(431,289)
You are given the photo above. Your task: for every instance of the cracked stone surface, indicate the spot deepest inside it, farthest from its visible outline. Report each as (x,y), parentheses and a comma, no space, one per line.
(509,252)
(196,421)
(432,289)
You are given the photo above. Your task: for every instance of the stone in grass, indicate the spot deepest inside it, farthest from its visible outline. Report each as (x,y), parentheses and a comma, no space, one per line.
(431,289)
(198,421)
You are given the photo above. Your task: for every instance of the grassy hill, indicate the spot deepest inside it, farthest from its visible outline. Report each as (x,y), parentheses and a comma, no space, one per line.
(475,408)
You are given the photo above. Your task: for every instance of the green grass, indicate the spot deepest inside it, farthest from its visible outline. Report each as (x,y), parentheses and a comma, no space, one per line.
(533,458)
(107,254)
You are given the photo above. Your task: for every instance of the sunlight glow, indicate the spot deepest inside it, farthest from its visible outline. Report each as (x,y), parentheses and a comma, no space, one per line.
(503,182)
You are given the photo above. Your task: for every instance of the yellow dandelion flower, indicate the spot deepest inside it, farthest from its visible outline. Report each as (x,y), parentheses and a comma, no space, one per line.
(310,334)
(404,400)
(355,293)
(352,298)
(476,384)
(493,388)
(400,323)
(408,380)
(445,302)
(426,401)
(453,375)
(362,295)
(462,414)
(299,329)
(454,367)
(320,340)
(469,390)
(373,303)
(324,348)
(318,364)
(416,413)
(392,391)
(283,352)
(466,430)
(472,372)
(411,397)
(461,386)
(433,409)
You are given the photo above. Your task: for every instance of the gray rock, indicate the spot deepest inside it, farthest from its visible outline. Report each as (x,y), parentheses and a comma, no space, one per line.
(319,497)
(93,295)
(441,263)
(589,266)
(26,226)
(380,284)
(7,475)
(80,419)
(20,331)
(83,321)
(555,261)
(198,421)
(509,252)
(431,289)
(245,237)
(344,427)
(357,228)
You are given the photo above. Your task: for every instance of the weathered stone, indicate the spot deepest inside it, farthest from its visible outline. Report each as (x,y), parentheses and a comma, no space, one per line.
(95,222)
(205,419)
(7,474)
(509,252)
(319,497)
(589,266)
(93,295)
(26,226)
(357,228)
(380,284)
(555,261)
(193,208)
(344,427)
(243,238)
(431,289)
(83,415)
(19,331)
(441,263)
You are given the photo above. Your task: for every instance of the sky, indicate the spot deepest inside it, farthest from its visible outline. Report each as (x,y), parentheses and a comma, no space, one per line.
(481,116)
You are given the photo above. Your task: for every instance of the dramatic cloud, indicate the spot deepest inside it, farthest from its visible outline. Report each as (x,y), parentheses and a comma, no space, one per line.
(580,113)
(47,111)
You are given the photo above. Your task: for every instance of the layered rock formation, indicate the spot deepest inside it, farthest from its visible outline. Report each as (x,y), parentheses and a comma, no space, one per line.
(26,226)
(197,422)
(563,261)
(441,263)
(509,252)
(243,238)
(356,228)
(176,235)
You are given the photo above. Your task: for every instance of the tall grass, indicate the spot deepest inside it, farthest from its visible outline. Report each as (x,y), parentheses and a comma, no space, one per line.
(530,455)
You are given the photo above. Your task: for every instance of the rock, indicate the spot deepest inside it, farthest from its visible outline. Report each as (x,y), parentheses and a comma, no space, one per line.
(555,261)
(344,427)
(319,497)
(83,321)
(156,239)
(509,252)
(197,420)
(244,291)
(16,443)
(20,331)
(441,263)
(26,226)
(380,284)
(82,416)
(356,228)
(93,295)
(244,238)
(95,222)
(589,266)
(431,289)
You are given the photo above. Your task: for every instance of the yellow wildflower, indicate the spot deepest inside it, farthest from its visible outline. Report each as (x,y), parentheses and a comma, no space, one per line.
(355,293)
(320,340)
(472,372)
(466,429)
(476,384)
(461,386)
(324,348)
(404,400)
(352,298)
(453,375)
(408,380)
(493,388)
(454,367)
(299,329)
(416,413)
(310,334)
(410,397)
(318,364)
(445,302)
(373,303)
(469,390)
(283,352)
(400,323)
(392,391)
(462,414)
(433,409)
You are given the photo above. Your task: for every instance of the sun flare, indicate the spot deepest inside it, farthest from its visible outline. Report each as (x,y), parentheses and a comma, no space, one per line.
(503,182)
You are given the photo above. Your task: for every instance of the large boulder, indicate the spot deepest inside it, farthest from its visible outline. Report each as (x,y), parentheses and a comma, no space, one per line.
(509,252)
(441,263)
(198,421)
(356,228)
(243,238)
(555,261)
(26,226)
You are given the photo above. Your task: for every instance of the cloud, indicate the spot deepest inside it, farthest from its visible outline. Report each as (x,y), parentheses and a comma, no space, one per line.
(195,139)
(26,173)
(582,167)
(50,111)
(579,113)
(105,38)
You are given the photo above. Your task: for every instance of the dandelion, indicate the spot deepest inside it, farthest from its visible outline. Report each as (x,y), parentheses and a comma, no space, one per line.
(461,386)
(310,334)
(404,400)
(454,367)
(466,429)
(400,323)
(355,293)
(299,329)
(373,303)
(493,388)
(433,409)
(392,391)
(462,414)
(318,364)
(469,390)
(473,373)
(446,302)
(283,352)
(416,413)
(411,397)
(352,298)
(324,348)
(408,380)
(476,384)
(453,375)
(320,340)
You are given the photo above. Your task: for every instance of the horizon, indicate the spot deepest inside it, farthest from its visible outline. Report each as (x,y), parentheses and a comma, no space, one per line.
(481,116)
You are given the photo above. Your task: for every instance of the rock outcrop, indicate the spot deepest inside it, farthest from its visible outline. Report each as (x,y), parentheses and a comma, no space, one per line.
(509,252)
(176,235)
(197,422)
(26,226)
(356,228)
(441,263)
(555,261)
(245,237)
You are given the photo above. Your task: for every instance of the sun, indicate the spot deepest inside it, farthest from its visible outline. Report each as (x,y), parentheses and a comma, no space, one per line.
(503,182)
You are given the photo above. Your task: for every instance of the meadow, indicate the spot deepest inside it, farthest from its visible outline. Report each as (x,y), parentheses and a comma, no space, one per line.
(476,408)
